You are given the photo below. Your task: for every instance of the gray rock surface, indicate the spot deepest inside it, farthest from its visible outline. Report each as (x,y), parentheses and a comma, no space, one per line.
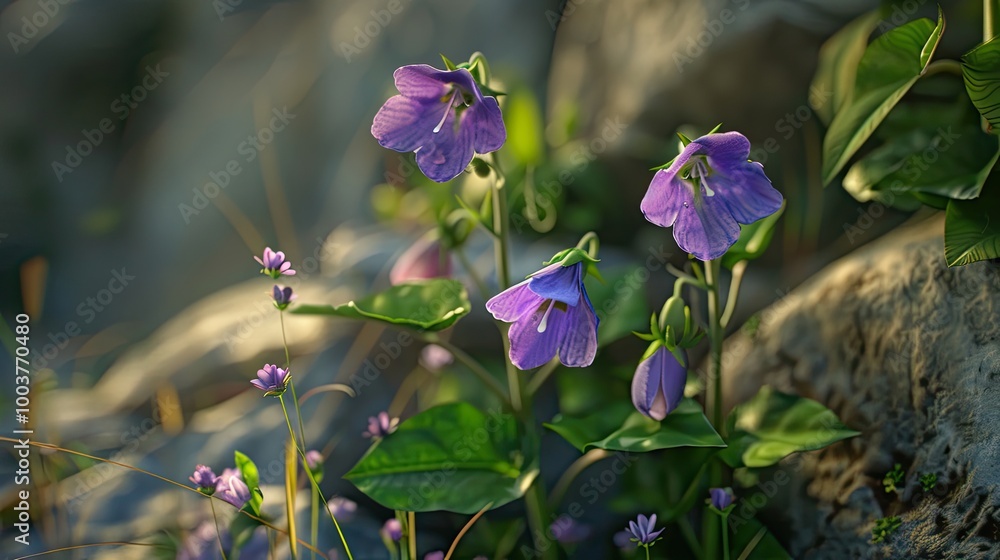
(907,351)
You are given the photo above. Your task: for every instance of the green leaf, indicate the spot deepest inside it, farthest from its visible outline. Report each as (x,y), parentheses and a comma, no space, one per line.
(620,427)
(838,65)
(889,67)
(525,127)
(773,425)
(981,70)
(753,241)
(451,457)
(946,161)
(448,63)
(249,474)
(972,228)
(432,305)
(752,541)
(620,303)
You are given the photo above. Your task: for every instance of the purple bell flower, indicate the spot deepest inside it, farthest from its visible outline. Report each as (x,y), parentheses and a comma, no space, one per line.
(567,530)
(232,489)
(380,426)
(641,530)
(442,116)
(393,529)
(424,259)
(204,479)
(658,384)
(721,498)
(707,192)
(272,380)
(274,264)
(283,296)
(435,358)
(551,314)
(342,509)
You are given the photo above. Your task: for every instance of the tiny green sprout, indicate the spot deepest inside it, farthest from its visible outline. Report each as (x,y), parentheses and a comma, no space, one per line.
(893,478)
(751,326)
(885,527)
(928,481)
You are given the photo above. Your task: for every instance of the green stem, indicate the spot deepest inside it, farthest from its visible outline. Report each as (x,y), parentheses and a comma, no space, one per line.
(411,533)
(944,65)
(291,382)
(987,20)
(647,552)
(713,396)
(571,472)
(725,539)
(312,479)
(314,520)
(734,292)
(535,498)
(590,238)
(218,533)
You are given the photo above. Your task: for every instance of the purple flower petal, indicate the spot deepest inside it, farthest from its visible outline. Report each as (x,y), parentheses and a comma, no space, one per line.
(570,332)
(424,259)
(448,151)
(514,302)
(558,282)
(420,81)
(489,132)
(706,230)
(658,385)
(404,124)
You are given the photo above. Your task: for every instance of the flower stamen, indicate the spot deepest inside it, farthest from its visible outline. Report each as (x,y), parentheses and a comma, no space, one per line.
(545,318)
(447,111)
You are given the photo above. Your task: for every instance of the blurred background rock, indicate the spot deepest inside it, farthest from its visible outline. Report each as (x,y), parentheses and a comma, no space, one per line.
(201,78)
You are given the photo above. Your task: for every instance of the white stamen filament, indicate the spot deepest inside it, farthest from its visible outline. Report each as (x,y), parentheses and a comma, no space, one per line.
(447,111)
(700,172)
(545,318)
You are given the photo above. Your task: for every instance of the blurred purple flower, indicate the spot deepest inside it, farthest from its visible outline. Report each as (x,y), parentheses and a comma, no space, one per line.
(271,379)
(707,192)
(436,555)
(274,264)
(721,498)
(381,425)
(658,384)
(233,490)
(623,540)
(393,529)
(434,357)
(426,258)
(314,459)
(283,296)
(442,116)
(567,531)
(551,314)
(641,530)
(204,479)
(342,508)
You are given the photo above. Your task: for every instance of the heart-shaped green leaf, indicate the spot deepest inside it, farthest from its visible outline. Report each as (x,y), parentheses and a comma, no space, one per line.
(773,425)
(431,305)
(838,65)
(890,66)
(981,70)
(249,474)
(620,427)
(450,457)
(950,162)
(972,228)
